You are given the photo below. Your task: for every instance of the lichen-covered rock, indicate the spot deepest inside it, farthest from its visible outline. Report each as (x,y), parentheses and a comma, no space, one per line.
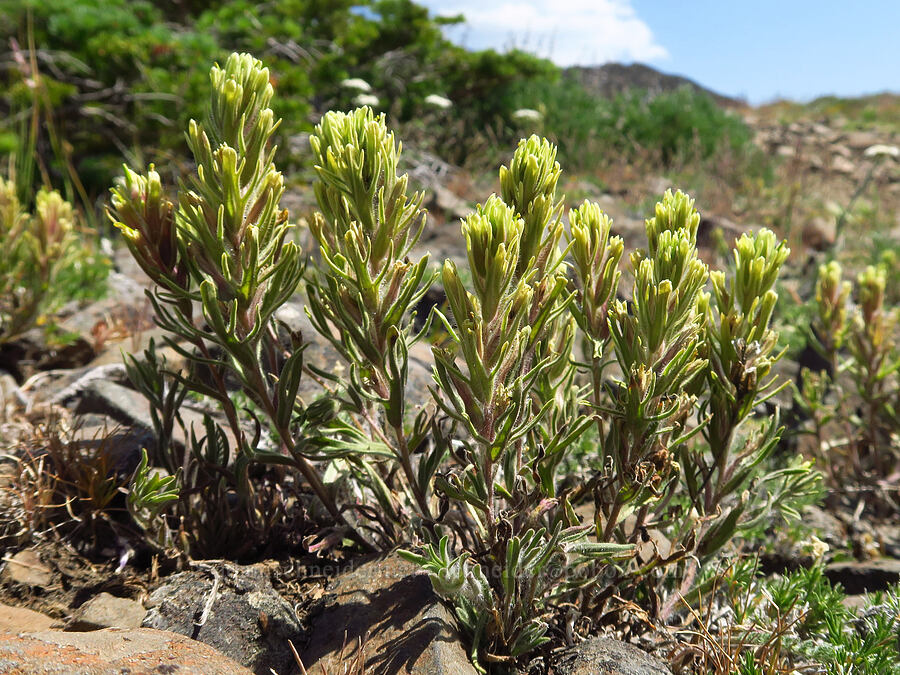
(247,620)
(605,656)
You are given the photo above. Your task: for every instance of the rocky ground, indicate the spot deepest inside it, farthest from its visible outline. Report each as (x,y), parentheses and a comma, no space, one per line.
(67,610)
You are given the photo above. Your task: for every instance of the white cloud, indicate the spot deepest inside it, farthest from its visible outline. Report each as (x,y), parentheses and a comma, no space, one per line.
(570,32)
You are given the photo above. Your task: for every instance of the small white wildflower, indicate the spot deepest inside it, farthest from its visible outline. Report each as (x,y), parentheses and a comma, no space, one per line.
(880,150)
(356,83)
(815,546)
(438,101)
(366,99)
(527,115)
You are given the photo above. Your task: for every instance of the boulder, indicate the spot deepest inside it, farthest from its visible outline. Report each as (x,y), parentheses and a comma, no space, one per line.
(864,577)
(448,202)
(605,656)
(389,605)
(108,611)
(246,619)
(102,652)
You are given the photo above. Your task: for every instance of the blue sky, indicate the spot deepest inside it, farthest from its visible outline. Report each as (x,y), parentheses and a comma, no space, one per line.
(758,50)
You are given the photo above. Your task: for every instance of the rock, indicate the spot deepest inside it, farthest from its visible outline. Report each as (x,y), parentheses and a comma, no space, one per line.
(888,537)
(247,621)
(842,165)
(31,352)
(657,185)
(94,394)
(841,151)
(121,445)
(824,132)
(108,611)
(825,525)
(434,297)
(103,652)
(391,601)
(714,231)
(26,567)
(110,352)
(319,352)
(102,397)
(11,397)
(448,202)
(419,377)
(48,387)
(605,656)
(815,162)
(21,620)
(68,387)
(860,140)
(786,151)
(819,233)
(864,577)
(870,615)
(322,354)
(124,311)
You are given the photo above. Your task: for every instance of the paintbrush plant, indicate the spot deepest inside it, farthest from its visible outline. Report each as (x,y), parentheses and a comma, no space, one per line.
(471,481)
(852,406)
(362,299)
(36,247)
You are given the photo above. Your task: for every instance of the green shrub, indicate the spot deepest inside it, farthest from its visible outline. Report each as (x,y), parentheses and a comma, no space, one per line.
(669,127)
(125,78)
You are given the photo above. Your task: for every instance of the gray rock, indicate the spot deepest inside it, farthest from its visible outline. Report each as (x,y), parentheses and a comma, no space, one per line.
(786,151)
(247,620)
(864,577)
(26,567)
(842,165)
(451,205)
(389,603)
(860,140)
(841,151)
(104,397)
(69,387)
(108,611)
(96,394)
(322,354)
(125,307)
(102,652)
(825,525)
(605,656)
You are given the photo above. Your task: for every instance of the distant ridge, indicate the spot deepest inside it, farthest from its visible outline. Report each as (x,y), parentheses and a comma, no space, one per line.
(614,78)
